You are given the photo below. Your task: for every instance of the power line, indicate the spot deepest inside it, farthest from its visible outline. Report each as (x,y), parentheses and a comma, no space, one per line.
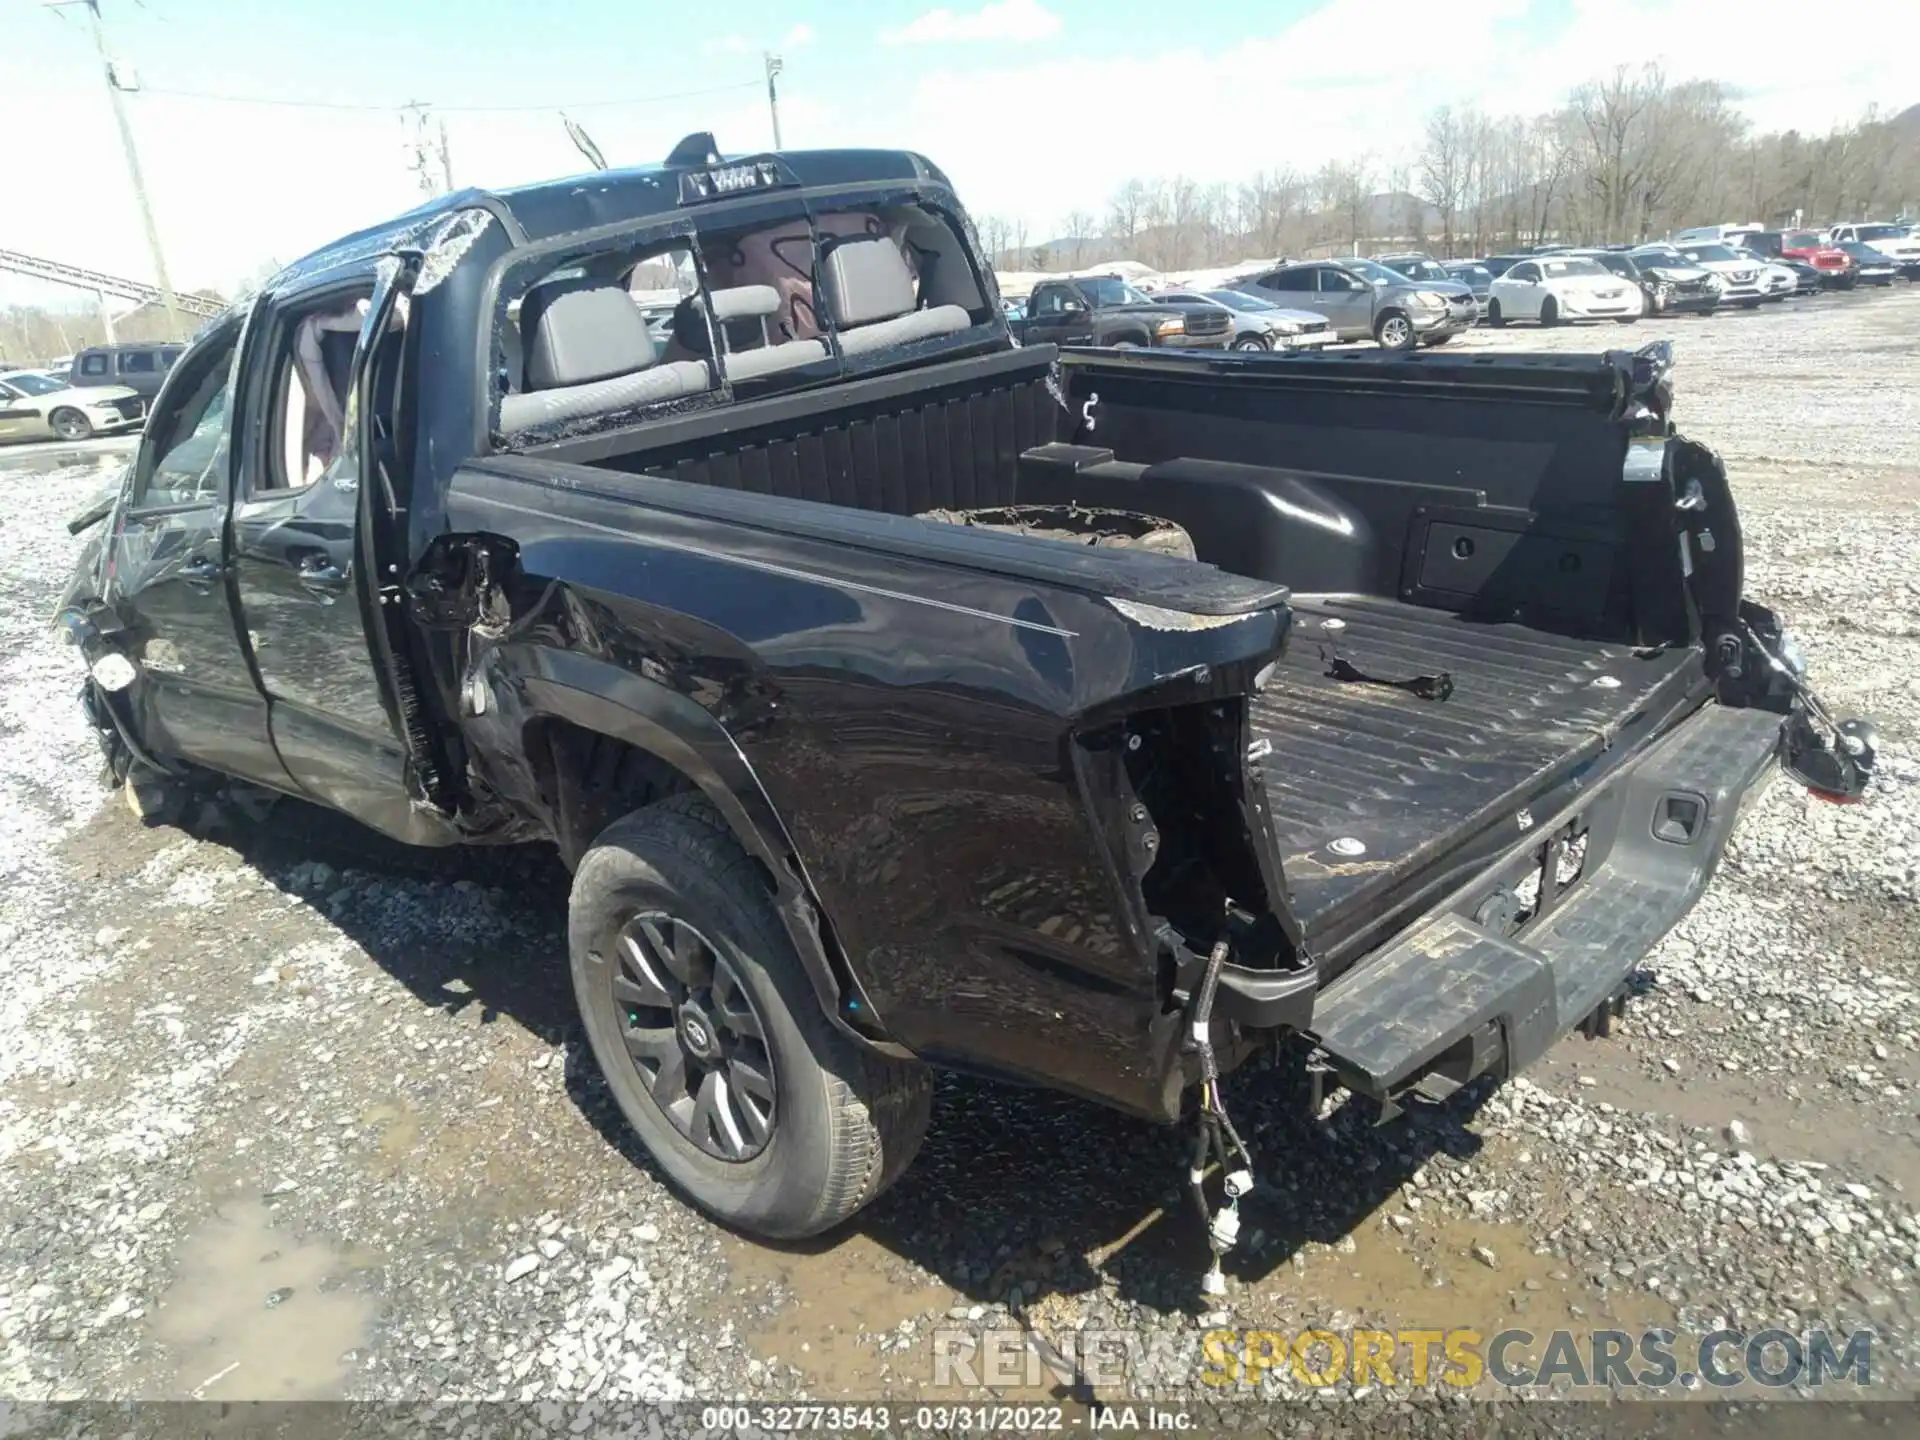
(446,109)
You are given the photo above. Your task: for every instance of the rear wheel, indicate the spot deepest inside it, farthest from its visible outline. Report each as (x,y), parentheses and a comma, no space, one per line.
(1250,342)
(1549,311)
(712,1040)
(70,424)
(1394,331)
(1436,340)
(1494,317)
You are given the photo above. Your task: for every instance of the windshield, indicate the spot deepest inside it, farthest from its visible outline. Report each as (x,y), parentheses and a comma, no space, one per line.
(1871,233)
(1572,265)
(1473,274)
(1370,270)
(1235,300)
(1800,240)
(28,383)
(1112,290)
(1711,252)
(1421,270)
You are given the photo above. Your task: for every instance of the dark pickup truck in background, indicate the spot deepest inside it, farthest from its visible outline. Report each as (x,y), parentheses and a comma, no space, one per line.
(1106,310)
(1434,721)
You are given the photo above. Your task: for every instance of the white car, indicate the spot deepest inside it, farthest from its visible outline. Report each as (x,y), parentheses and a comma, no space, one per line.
(34,406)
(1736,270)
(1897,242)
(1777,282)
(1552,288)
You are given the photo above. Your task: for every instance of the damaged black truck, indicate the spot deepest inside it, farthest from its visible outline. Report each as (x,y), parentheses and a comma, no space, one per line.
(1433,714)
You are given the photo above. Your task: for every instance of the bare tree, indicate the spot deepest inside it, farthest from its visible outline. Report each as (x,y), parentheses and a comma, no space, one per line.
(1346,188)
(1445,168)
(1079,228)
(1127,212)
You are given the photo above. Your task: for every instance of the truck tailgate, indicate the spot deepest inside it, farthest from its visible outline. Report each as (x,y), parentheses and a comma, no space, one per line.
(1375,793)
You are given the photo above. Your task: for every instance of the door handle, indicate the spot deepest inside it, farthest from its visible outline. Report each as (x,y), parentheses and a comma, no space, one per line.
(318,573)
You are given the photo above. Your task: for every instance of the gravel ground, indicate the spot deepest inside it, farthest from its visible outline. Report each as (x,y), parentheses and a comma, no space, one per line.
(286,1113)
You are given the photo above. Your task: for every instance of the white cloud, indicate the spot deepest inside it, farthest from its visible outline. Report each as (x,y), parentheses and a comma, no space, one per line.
(1001,20)
(801,34)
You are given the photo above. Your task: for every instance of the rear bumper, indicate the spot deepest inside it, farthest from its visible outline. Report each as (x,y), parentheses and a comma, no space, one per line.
(1463,994)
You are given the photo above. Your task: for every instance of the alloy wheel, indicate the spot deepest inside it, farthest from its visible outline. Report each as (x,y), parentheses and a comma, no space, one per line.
(695,1039)
(1395,332)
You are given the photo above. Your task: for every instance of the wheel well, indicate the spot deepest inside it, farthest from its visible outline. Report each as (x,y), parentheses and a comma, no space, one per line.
(589,780)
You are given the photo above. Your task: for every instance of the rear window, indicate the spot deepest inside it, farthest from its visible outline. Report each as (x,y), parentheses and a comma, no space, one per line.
(94,365)
(138,362)
(788,299)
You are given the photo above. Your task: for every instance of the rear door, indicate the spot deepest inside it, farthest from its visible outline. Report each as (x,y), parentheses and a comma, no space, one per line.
(296,541)
(197,697)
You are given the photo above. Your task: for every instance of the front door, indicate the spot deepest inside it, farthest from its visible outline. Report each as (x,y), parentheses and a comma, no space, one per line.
(305,596)
(196,697)
(1347,301)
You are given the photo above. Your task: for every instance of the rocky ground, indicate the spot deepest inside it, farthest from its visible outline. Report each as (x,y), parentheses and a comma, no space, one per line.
(285,1113)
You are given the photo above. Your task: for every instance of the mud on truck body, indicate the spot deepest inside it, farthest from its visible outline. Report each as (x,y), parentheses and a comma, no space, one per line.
(1435,716)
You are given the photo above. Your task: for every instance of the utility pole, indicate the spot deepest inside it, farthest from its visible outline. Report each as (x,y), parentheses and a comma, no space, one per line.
(774,66)
(114,87)
(446,159)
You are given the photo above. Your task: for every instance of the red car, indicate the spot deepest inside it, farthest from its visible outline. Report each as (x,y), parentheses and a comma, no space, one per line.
(1835,265)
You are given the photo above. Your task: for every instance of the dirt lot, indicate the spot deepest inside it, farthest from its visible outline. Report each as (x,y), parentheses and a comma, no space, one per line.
(285,1114)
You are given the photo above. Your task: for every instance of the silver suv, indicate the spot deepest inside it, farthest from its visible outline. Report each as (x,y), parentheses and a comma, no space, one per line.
(1363,300)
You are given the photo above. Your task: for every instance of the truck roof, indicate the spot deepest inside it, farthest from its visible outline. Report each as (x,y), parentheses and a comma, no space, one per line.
(546,208)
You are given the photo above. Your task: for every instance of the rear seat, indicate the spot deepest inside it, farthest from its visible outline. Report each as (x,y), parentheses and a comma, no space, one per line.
(869,293)
(737,313)
(589,352)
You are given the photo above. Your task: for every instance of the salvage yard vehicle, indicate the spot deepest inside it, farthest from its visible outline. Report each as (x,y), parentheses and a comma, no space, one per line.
(1738,272)
(1808,247)
(1897,242)
(903,697)
(35,406)
(1550,289)
(1259,324)
(1362,301)
(1106,310)
(1870,265)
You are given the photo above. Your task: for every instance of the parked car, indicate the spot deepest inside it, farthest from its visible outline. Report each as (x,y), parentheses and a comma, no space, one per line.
(1476,277)
(1260,324)
(1498,265)
(1806,279)
(897,696)
(1362,300)
(1896,241)
(1808,246)
(34,406)
(1415,265)
(1714,235)
(1548,289)
(1671,282)
(1871,265)
(1738,272)
(1107,310)
(139,368)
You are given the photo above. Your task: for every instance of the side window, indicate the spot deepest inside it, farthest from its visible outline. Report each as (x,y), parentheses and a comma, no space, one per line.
(1524,272)
(190,444)
(1293,281)
(307,400)
(94,365)
(137,362)
(1047,300)
(1339,282)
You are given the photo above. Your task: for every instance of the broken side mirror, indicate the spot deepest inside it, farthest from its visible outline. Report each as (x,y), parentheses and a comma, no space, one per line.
(1835,764)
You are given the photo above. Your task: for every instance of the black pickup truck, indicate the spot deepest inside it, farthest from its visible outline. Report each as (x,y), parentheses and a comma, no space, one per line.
(1106,310)
(1434,720)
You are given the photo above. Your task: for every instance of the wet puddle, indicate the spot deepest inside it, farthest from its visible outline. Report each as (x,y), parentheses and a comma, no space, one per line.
(834,1297)
(256,1313)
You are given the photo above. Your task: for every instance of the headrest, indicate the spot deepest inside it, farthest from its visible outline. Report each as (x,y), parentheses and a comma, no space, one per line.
(866,280)
(582,330)
(744,302)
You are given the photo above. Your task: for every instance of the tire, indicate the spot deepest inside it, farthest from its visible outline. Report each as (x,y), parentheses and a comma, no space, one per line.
(1626,319)
(1129,344)
(1549,312)
(1749,304)
(1494,318)
(1436,341)
(1394,331)
(1251,342)
(153,797)
(820,1125)
(70,424)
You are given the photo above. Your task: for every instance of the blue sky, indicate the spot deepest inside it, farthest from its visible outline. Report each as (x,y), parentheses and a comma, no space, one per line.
(1037,108)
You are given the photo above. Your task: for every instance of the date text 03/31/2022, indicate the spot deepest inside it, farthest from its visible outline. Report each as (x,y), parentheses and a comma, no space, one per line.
(943,1419)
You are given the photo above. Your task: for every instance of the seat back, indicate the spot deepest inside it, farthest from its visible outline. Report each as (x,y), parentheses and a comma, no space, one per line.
(588,351)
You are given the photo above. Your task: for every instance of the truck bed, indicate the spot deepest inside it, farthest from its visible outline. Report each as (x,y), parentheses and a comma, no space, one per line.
(1412,780)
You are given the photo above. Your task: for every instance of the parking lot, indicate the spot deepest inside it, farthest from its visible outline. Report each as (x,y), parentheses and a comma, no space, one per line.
(286,1113)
